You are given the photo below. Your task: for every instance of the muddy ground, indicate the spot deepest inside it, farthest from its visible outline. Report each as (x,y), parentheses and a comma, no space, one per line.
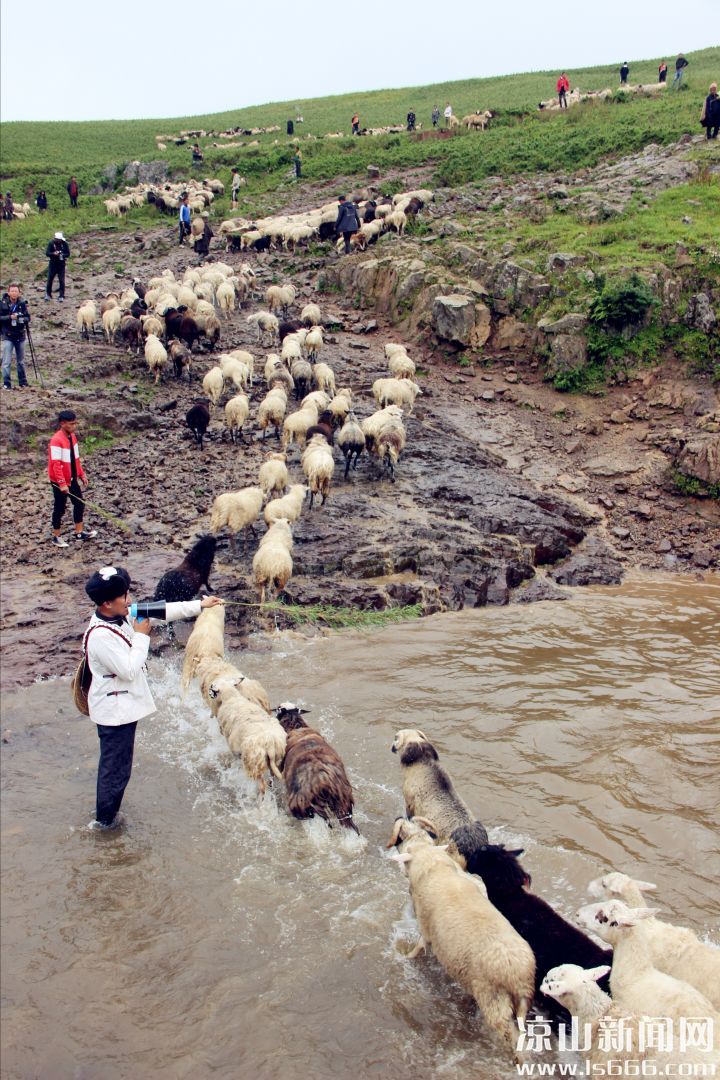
(507,491)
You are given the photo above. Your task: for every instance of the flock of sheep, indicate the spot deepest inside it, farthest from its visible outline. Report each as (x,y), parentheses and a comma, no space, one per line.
(167,197)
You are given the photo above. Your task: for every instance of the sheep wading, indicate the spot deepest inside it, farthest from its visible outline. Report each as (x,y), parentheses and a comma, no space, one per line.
(427,788)
(314,774)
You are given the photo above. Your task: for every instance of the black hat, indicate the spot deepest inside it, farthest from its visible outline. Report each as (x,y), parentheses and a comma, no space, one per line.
(107,583)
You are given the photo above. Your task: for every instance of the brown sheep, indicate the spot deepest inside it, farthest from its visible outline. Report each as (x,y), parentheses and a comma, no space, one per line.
(314,775)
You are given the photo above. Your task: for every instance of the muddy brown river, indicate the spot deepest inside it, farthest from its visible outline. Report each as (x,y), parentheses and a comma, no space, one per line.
(217,937)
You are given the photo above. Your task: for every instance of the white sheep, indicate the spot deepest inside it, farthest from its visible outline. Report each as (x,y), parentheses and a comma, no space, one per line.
(272,563)
(213,384)
(396,392)
(324,378)
(291,350)
(273,475)
(267,325)
(401,366)
(280,297)
(225,296)
(86,318)
(237,410)
(288,507)
(236,510)
(235,371)
(111,323)
(314,343)
(351,441)
(151,324)
(207,639)
(187,298)
(393,348)
(253,734)
(397,220)
(341,404)
(318,464)
(246,358)
(271,410)
(318,398)
(310,315)
(295,427)
(155,355)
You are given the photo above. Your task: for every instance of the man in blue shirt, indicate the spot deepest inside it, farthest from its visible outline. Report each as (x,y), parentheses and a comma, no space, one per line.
(183,218)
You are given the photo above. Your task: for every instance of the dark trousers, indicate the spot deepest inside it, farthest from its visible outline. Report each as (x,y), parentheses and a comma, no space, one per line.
(347,237)
(114,769)
(55,270)
(712,131)
(73,200)
(562,99)
(61,498)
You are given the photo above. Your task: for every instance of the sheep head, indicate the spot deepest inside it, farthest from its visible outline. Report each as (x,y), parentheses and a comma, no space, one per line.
(611,919)
(499,868)
(406,737)
(569,979)
(615,885)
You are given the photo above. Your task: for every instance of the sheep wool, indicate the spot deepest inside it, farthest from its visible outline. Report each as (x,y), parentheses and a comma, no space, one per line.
(273,475)
(318,464)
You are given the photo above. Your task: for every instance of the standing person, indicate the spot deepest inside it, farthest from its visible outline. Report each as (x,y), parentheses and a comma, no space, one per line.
(66,475)
(116,652)
(711,119)
(8,207)
(348,221)
(73,191)
(624,72)
(355,123)
(183,218)
(563,85)
(14,317)
(447,113)
(662,72)
(58,252)
(680,64)
(202,244)
(41,201)
(197,156)
(235,188)
(435,116)
(411,121)
(297,163)
(290,128)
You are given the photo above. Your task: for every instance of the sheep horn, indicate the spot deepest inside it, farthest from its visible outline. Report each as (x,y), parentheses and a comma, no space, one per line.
(393,842)
(427,826)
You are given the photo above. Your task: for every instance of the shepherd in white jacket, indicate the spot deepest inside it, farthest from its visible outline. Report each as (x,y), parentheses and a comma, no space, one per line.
(116,651)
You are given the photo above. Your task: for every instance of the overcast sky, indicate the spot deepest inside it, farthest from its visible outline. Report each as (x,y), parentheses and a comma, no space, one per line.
(89,60)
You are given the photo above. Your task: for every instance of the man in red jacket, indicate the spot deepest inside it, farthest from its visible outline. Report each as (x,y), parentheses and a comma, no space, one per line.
(66,475)
(563,85)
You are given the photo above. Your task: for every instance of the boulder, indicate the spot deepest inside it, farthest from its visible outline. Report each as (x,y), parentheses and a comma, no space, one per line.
(453,318)
(594,564)
(700,458)
(700,314)
(571,323)
(373,172)
(568,353)
(510,334)
(560,261)
(145,172)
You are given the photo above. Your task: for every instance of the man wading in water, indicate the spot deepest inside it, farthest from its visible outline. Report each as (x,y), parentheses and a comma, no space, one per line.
(116,651)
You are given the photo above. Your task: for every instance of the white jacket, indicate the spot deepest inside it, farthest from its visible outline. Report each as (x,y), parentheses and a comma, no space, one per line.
(119,692)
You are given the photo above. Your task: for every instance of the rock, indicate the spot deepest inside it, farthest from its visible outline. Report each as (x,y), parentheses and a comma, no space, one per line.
(511,376)
(617,416)
(568,353)
(612,464)
(511,334)
(572,483)
(664,546)
(146,172)
(606,502)
(700,314)
(700,458)
(109,175)
(703,557)
(593,564)
(562,260)
(370,327)
(572,445)
(488,395)
(536,590)
(571,323)
(373,172)
(453,318)
(642,510)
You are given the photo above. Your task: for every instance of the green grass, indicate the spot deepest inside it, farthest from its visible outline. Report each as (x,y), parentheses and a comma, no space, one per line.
(339,618)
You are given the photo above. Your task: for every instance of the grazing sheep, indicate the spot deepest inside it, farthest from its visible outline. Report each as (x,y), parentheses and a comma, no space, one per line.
(213,384)
(393,348)
(296,425)
(181,358)
(266,325)
(207,639)
(318,464)
(111,323)
(156,356)
(313,344)
(271,411)
(475,944)
(237,410)
(427,788)
(273,475)
(389,444)
(185,581)
(314,775)
(251,733)
(288,507)
(310,315)
(86,317)
(324,378)
(272,563)
(236,510)
(351,441)
(280,297)
(197,419)
(396,220)
(395,392)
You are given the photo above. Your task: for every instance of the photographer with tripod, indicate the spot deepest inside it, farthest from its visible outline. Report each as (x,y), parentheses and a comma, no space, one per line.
(58,252)
(14,321)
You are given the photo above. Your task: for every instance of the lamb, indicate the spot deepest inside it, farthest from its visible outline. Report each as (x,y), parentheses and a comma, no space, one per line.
(351,441)
(266,325)
(237,410)
(324,378)
(310,315)
(111,323)
(302,373)
(552,939)
(273,475)
(86,317)
(474,943)
(213,384)
(272,563)
(181,358)
(315,777)
(197,419)
(635,983)
(427,788)
(271,411)
(251,733)
(236,510)
(395,392)
(318,465)
(207,639)
(280,297)
(341,405)
(185,581)
(313,344)
(296,425)
(289,507)
(674,950)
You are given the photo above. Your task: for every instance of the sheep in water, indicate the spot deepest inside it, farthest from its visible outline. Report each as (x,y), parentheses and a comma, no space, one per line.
(207,639)
(314,775)
(210,668)
(197,419)
(251,733)
(185,581)
(427,788)
(475,944)
(237,510)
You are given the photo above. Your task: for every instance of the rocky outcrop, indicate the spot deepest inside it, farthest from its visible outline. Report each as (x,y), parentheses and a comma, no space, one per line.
(699,458)
(145,172)
(594,564)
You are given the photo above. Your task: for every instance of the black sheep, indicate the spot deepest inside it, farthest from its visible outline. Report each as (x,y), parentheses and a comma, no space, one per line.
(180,325)
(138,308)
(140,289)
(198,419)
(553,940)
(327,230)
(288,326)
(414,206)
(369,214)
(261,244)
(325,426)
(186,580)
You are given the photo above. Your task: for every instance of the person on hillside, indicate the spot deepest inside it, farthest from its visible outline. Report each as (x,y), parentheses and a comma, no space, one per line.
(297,163)
(14,318)
(624,72)
(662,72)
(355,122)
(435,117)
(680,64)
(235,188)
(41,201)
(66,477)
(411,121)
(447,114)
(290,128)
(73,191)
(8,207)
(711,114)
(563,85)
(202,244)
(116,651)
(197,155)
(348,221)
(57,252)
(183,218)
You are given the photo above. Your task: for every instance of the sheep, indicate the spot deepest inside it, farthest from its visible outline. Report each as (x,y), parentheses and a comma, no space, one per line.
(318,464)
(324,378)
(207,639)
(273,474)
(401,366)
(185,581)
(181,358)
(395,392)
(296,425)
(245,358)
(313,343)
(315,777)
(271,411)
(186,296)
(237,410)
(272,563)
(156,356)
(203,309)
(86,317)
(552,939)
(397,220)
(318,398)
(301,372)
(197,419)
(389,444)
(310,315)
(112,300)
(372,425)
(351,441)
(252,733)
(266,325)
(635,983)
(289,507)
(393,348)
(235,371)
(674,950)
(206,670)
(225,296)
(291,350)
(472,941)
(213,384)
(325,426)
(111,323)
(280,297)
(278,375)
(236,510)
(288,326)
(209,328)
(427,788)
(179,325)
